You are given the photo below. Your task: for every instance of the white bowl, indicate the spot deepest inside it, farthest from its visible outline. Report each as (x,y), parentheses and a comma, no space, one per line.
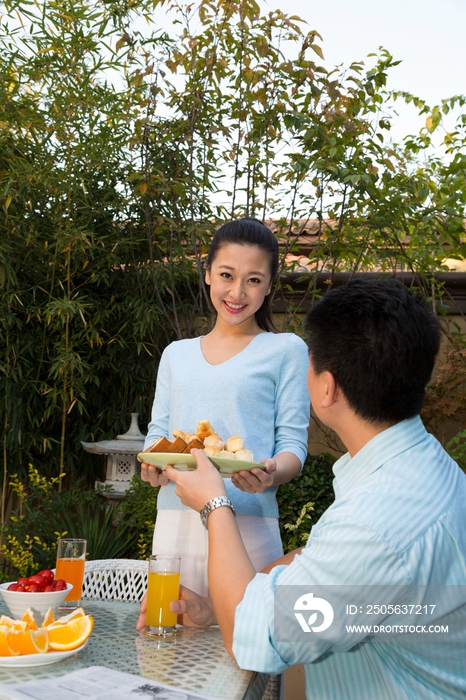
(18,603)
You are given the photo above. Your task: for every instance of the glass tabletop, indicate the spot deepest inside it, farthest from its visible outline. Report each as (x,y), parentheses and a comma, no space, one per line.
(195,659)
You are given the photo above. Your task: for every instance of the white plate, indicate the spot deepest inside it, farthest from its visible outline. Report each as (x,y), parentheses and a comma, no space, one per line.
(185,462)
(51,657)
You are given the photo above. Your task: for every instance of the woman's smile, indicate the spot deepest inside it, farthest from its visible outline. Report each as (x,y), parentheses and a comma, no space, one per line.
(234,308)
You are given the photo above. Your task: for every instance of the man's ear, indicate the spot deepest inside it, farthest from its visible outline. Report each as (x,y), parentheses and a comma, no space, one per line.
(330,390)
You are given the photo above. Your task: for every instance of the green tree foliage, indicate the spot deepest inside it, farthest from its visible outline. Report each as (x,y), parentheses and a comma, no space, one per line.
(302,501)
(138,511)
(44,515)
(122,147)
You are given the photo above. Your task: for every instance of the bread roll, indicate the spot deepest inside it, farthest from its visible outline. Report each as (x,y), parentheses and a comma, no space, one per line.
(214,441)
(181,434)
(245,455)
(235,443)
(204,429)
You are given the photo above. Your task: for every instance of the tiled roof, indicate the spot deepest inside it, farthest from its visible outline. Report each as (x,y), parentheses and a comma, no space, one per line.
(306,234)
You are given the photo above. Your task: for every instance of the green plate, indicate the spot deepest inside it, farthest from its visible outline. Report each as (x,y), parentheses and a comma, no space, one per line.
(184,462)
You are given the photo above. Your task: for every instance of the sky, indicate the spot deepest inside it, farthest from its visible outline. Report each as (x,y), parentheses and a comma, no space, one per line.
(428,36)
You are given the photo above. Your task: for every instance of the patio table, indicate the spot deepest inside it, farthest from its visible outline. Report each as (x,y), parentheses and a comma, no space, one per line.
(194,659)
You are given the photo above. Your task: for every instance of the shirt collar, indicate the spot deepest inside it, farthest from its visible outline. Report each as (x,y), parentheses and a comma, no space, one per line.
(350,471)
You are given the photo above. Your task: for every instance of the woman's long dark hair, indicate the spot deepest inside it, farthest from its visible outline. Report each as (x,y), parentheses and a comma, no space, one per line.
(250,231)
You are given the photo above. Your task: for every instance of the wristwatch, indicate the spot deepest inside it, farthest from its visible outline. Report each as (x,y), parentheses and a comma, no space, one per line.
(216,502)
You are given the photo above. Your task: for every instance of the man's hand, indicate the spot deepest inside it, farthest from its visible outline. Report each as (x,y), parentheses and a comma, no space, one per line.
(198,487)
(257,480)
(153,475)
(141,623)
(192,609)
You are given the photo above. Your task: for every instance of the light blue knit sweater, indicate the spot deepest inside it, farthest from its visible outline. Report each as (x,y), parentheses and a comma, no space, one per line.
(260,393)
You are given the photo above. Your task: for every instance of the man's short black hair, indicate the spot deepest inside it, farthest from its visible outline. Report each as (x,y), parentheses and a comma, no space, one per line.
(380,342)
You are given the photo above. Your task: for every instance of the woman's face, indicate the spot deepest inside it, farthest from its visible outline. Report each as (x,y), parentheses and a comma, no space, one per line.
(239,279)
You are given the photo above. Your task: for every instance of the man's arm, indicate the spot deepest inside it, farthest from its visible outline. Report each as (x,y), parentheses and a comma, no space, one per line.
(230,569)
(285,560)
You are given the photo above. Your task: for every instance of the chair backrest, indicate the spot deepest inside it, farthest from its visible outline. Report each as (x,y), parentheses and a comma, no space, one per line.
(115,579)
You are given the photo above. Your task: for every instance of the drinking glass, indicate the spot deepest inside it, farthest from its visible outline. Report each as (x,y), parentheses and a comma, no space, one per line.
(71,557)
(163,587)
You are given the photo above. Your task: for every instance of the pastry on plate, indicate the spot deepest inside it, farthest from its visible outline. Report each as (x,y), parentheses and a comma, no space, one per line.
(235,443)
(194,443)
(204,429)
(212,452)
(214,441)
(181,434)
(178,445)
(225,453)
(245,455)
(159,445)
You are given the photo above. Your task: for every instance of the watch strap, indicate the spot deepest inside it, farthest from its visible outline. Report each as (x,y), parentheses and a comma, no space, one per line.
(216,502)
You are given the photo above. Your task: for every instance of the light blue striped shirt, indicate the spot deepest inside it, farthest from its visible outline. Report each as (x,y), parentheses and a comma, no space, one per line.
(399,518)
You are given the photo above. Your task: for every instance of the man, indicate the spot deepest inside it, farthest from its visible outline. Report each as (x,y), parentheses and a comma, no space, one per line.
(397,525)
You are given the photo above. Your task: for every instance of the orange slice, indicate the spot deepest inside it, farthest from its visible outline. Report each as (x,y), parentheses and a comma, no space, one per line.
(18,642)
(15,624)
(79,612)
(70,635)
(28,641)
(9,641)
(49,618)
(5,620)
(4,648)
(29,618)
(40,639)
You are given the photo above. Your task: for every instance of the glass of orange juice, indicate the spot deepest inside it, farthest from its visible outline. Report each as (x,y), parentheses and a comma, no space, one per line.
(163,587)
(71,557)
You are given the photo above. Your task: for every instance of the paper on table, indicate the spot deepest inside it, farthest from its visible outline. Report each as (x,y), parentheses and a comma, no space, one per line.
(98,683)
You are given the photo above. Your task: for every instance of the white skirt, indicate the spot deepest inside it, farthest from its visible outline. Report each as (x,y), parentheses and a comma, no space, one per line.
(181,532)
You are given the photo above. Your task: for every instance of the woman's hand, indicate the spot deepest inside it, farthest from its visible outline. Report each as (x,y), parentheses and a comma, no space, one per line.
(153,475)
(198,487)
(257,480)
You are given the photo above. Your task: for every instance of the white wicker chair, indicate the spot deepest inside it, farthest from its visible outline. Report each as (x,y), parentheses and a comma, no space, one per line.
(115,579)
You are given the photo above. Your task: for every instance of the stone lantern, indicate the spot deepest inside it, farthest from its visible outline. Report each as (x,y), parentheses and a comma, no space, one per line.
(121,453)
